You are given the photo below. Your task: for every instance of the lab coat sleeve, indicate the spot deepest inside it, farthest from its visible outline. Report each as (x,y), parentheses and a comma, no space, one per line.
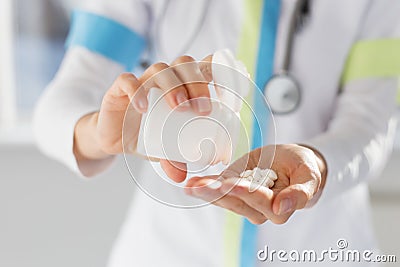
(79,86)
(360,135)
(76,90)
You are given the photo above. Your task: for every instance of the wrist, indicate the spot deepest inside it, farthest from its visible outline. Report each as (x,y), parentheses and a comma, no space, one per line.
(86,145)
(323,168)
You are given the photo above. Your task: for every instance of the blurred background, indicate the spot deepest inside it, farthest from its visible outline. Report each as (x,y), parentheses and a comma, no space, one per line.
(49,217)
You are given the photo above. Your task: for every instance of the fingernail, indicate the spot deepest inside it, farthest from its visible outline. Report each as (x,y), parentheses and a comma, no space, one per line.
(203,105)
(142,104)
(214,185)
(182,100)
(285,206)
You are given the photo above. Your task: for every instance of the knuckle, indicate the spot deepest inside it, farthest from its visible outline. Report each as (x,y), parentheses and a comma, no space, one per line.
(157,67)
(200,90)
(125,76)
(207,59)
(304,166)
(127,82)
(306,192)
(184,59)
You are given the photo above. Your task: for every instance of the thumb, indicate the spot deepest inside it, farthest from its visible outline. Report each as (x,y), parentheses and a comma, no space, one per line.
(294,197)
(175,170)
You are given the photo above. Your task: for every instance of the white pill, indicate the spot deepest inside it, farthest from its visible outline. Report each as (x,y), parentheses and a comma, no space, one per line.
(248,178)
(270,173)
(257,173)
(258,182)
(247,173)
(273,175)
(269,183)
(265,177)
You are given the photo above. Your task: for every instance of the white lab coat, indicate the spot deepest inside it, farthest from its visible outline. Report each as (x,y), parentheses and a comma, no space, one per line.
(345,127)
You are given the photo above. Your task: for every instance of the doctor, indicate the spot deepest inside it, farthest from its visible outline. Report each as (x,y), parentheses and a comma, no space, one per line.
(343,60)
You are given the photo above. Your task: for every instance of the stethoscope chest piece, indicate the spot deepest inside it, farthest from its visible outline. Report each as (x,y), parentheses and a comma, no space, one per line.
(282,93)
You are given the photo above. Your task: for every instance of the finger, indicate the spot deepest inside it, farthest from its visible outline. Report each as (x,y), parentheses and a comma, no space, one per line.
(188,71)
(162,76)
(123,91)
(175,170)
(194,182)
(281,219)
(260,199)
(304,184)
(245,162)
(293,197)
(206,190)
(205,66)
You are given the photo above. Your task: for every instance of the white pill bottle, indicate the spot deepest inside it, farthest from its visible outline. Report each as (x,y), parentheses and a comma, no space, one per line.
(185,136)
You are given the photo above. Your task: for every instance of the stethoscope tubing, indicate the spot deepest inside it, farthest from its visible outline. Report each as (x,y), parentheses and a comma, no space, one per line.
(284,72)
(288,45)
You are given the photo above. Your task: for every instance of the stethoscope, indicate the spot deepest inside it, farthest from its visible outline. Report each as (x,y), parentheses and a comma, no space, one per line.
(282,91)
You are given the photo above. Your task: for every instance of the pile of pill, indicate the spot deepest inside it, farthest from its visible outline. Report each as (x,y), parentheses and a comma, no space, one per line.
(265,177)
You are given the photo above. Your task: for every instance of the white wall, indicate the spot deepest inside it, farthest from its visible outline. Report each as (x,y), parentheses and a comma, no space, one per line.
(51,218)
